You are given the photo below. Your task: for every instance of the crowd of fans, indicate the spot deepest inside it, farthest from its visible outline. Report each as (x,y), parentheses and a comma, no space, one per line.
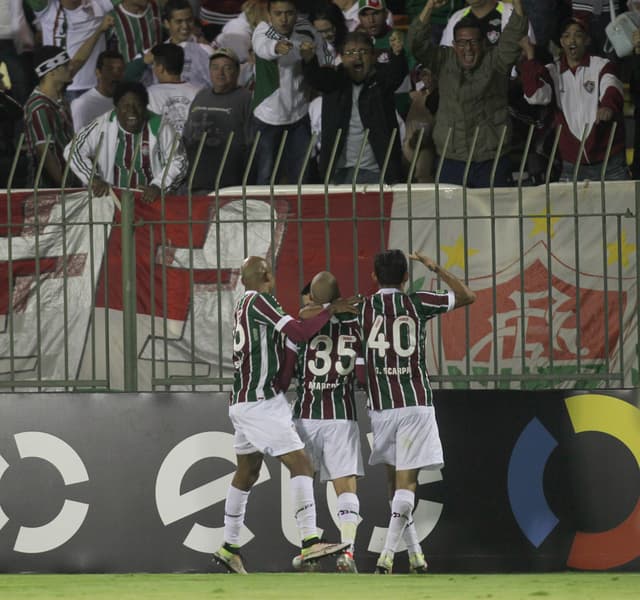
(145,88)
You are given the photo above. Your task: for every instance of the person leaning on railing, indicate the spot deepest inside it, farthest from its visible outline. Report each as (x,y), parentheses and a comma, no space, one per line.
(473,82)
(131,147)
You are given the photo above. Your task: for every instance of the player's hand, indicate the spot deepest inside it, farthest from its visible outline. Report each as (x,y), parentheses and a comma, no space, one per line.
(150,193)
(346,305)
(431,264)
(307,51)
(99,187)
(283,47)
(604,114)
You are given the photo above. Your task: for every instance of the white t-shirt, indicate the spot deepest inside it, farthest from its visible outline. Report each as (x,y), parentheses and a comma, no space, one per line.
(87,107)
(172,101)
(70,28)
(236,34)
(196,63)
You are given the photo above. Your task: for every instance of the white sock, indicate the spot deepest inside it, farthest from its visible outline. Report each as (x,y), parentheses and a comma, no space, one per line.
(410,537)
(348,516)
(235,508)
(401,509)
(304,505)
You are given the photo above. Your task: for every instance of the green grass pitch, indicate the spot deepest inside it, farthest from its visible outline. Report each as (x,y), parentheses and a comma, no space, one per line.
(313,586)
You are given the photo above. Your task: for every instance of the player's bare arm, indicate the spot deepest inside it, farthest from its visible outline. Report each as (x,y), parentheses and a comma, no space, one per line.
(464,295)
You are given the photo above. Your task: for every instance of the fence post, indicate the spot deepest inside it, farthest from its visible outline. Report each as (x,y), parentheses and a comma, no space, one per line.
(129,313)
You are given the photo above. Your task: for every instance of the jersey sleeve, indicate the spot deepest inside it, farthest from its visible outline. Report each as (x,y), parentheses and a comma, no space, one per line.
(266,310)
(431,304)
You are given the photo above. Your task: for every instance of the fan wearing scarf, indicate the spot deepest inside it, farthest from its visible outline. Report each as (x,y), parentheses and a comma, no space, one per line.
(135,149)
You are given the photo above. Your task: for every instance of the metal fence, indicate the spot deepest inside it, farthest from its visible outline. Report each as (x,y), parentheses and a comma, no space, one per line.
(110,294)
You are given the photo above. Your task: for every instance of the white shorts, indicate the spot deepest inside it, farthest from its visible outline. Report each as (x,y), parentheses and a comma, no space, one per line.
(264,426)
(333,445)
(406,438)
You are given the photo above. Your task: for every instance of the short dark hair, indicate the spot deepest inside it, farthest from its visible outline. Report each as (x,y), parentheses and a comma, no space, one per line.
(170,56)
(294,2)
(130,87)
(467,23)
(390,267)
(357,37)
(172,5)
(106,55)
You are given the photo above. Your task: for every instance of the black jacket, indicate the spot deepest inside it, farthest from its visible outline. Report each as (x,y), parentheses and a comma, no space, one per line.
(376,106)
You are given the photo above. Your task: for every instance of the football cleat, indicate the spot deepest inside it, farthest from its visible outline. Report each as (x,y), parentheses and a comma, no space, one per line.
(384,566)
(346,564)
(417,563)
(232,561)
(321,549)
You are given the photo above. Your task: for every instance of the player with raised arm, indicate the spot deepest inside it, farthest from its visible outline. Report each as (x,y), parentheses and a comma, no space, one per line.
(261,415)
(325,410)
(403,422)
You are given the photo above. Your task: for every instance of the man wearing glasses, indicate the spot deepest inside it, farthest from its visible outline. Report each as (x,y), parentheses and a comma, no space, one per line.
(358,98)
(473,83)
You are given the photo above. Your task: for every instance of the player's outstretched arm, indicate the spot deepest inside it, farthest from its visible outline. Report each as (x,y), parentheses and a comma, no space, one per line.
(464,295)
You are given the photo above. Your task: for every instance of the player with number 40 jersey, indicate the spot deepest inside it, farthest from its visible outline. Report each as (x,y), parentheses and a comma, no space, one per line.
(394,328)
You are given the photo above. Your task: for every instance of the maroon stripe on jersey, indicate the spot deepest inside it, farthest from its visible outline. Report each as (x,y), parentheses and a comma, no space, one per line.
(327,406)
(156,37)
(390,358)
(129,35)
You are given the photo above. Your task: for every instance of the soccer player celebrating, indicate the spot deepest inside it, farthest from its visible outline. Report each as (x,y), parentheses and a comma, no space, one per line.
(261,415)
(325,410)
(403,422)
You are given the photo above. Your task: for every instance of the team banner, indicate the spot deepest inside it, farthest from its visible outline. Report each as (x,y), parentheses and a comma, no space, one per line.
(128,483)
(555,278)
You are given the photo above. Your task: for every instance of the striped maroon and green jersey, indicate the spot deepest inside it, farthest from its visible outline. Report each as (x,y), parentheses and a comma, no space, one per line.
(126,170)
(45,117)
(325,371)
(133,34)
(258,346)
(394,327)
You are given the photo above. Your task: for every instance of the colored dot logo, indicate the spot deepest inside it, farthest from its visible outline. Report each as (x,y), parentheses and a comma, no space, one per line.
(587,413)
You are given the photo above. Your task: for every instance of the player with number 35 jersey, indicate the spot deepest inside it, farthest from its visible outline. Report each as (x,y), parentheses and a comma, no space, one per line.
(325,410)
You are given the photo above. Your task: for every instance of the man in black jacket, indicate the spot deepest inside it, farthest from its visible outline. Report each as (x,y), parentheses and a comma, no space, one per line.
(357,96)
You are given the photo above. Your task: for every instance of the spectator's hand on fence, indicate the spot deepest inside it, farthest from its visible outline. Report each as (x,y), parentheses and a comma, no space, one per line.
(604,114)
(396,41)
(345,305)
(150,193)
(307,51)
(283,47)
(107,22)
(99,187)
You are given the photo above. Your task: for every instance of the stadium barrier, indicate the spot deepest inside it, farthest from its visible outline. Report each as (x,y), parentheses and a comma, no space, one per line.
(136,483)
(114,294)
